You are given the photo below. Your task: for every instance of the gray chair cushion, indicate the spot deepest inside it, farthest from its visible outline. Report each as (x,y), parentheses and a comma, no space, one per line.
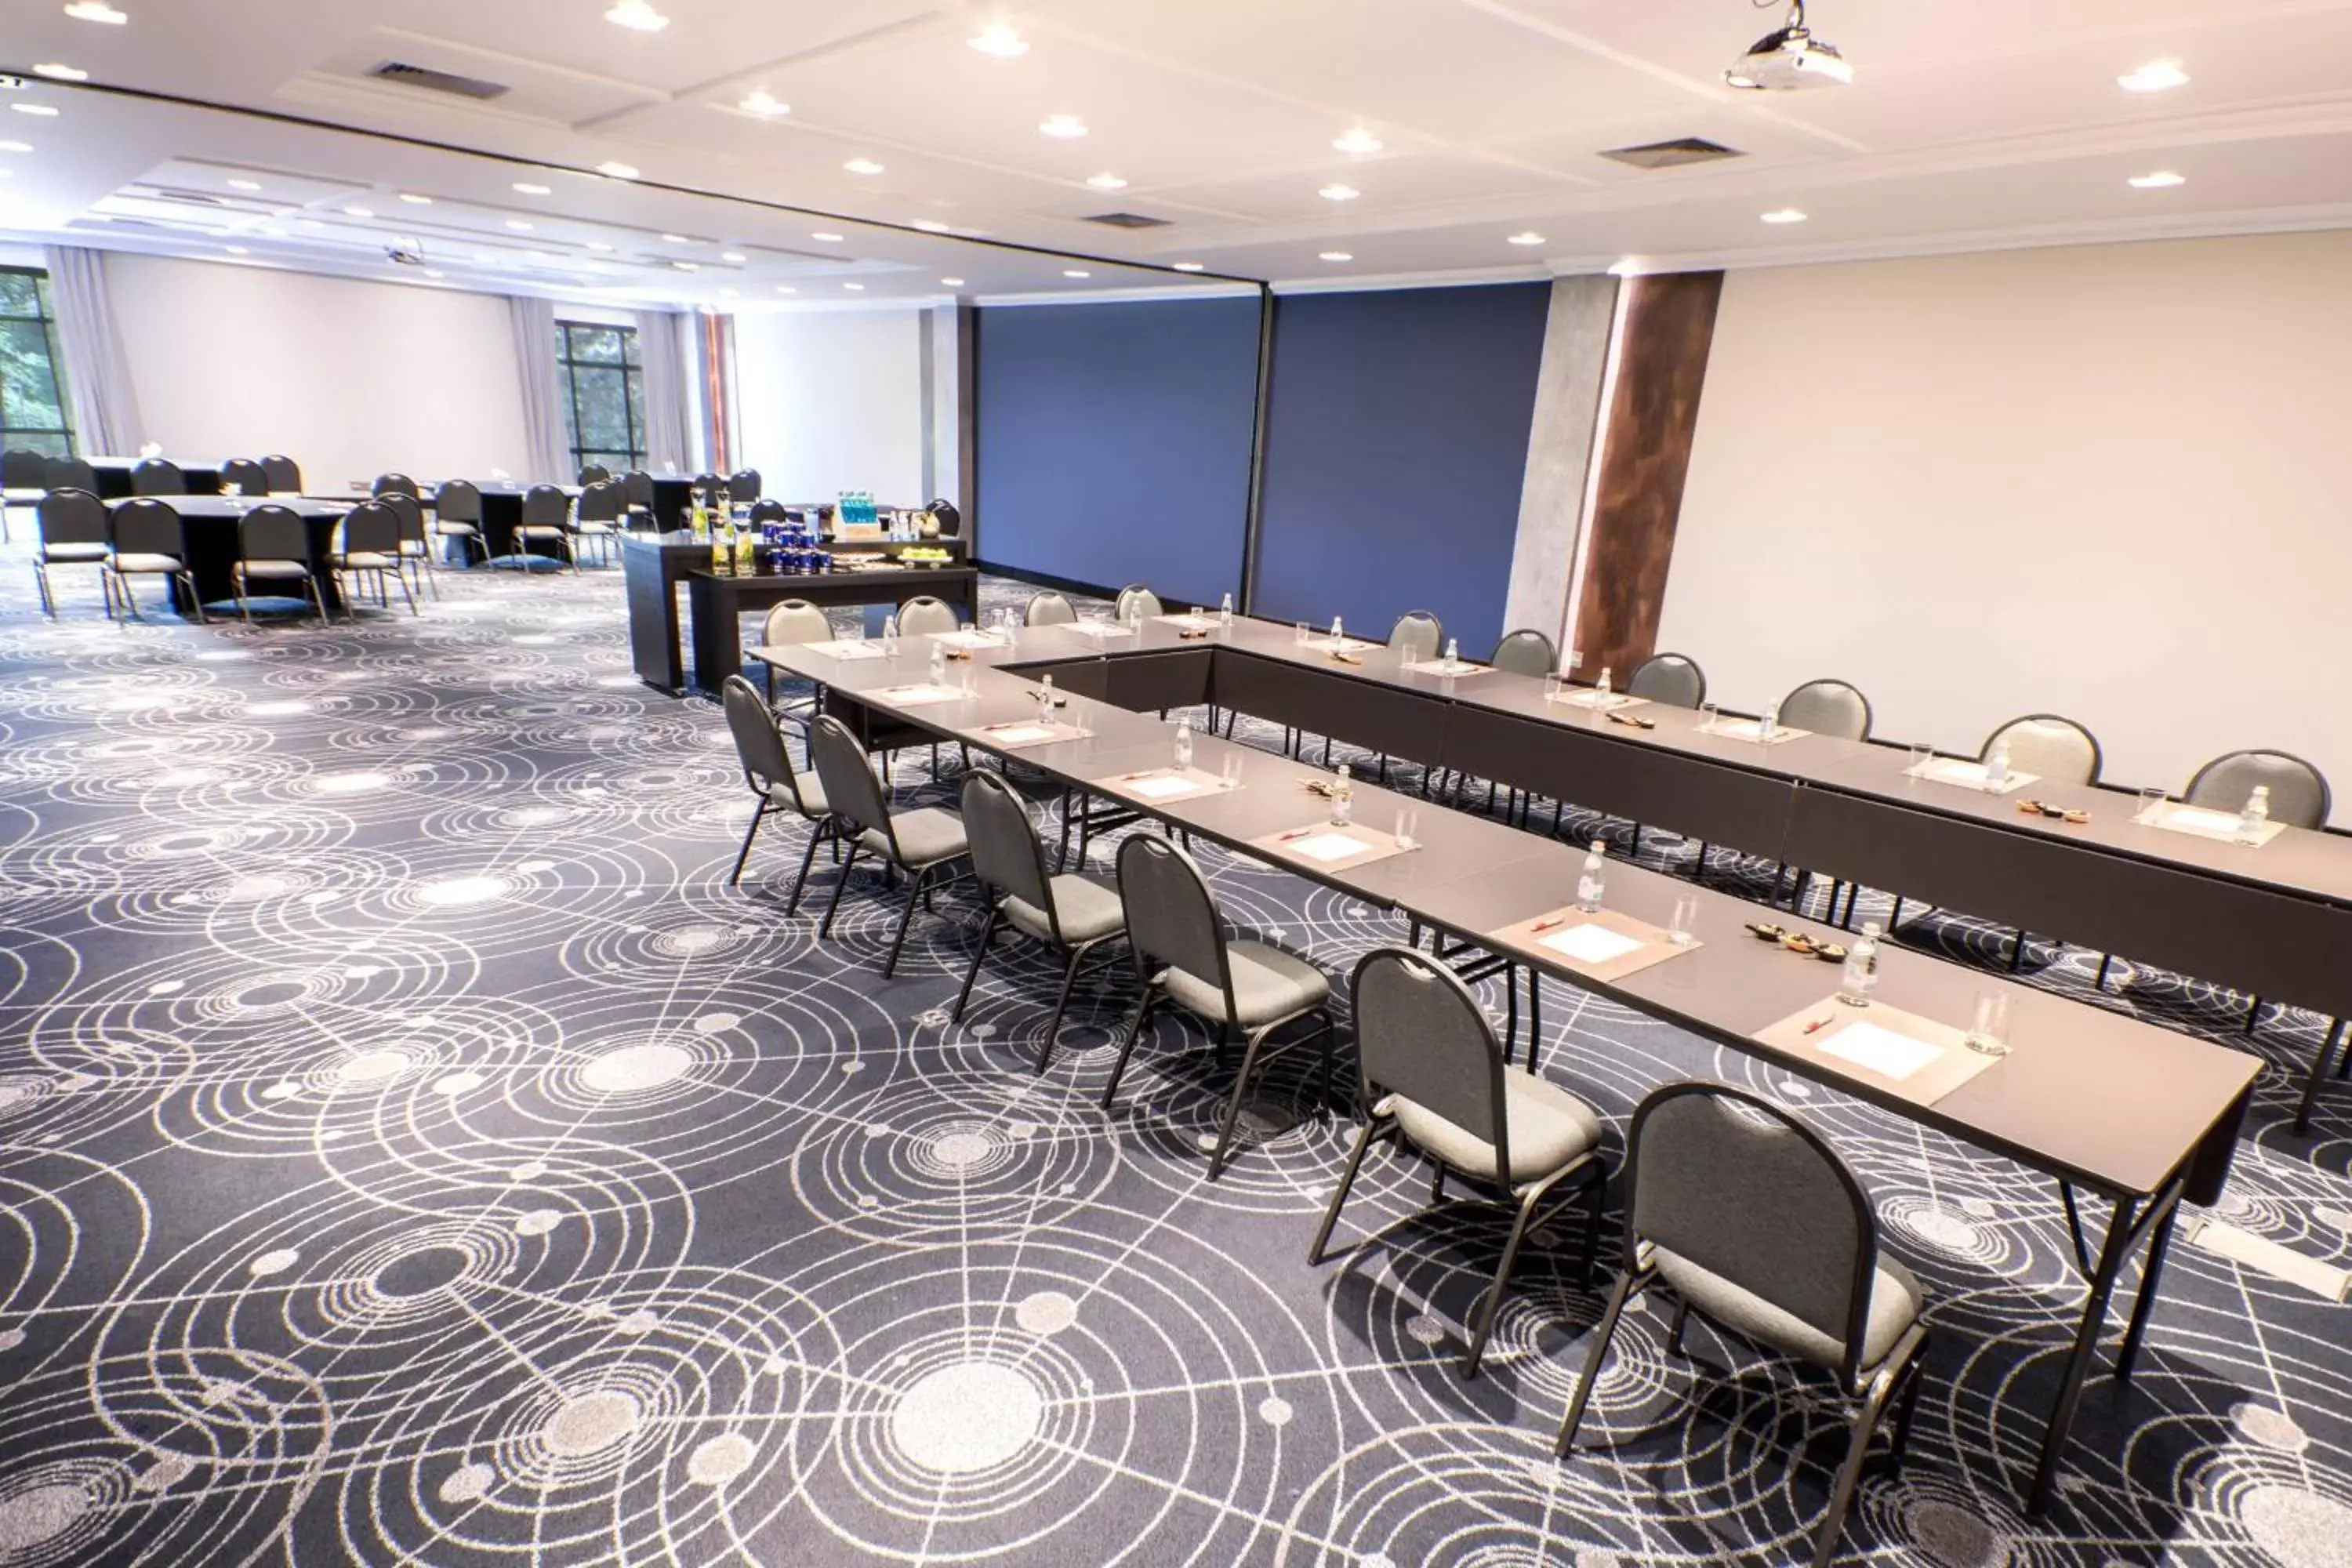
(73,551)
(811,803)
(1548,1127)
(1088,906)
(453,528)
(927,835)
(1268,984)
(274,569)
(144,563)
(1894,1301)
(365,561)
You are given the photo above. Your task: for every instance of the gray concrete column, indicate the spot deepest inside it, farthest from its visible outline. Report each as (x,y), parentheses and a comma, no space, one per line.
(1560,452)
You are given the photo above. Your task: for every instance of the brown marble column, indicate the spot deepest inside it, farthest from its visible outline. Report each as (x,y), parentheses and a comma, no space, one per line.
(1660,367)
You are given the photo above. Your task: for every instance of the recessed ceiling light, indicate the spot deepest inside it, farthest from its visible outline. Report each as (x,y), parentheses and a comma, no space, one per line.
(1068,127)
(598,245)
(820,238)
(1338,193)
(236,250)
(617,171)
(637,15)
(519,225)
(55,72)
(786,289)
(16,146)
(1338,255)
(1785,214)
(951,282)
(1001,41)
(96,11)
(2156,75)
(357,212)
(863,166)
(736,256)
(1191,267)
(855,287)
(1527,236)
(1107,181)
(45,110)
(537,255)
(1357,141)
(687,266)
(931,226)
(675,239)
(530,189)
(764,103)
(412,199)
(2163,179)
(1076,273)
(245,185)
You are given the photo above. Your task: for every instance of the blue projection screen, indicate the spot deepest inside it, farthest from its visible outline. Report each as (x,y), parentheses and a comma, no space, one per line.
(1396,445)
(1114,441)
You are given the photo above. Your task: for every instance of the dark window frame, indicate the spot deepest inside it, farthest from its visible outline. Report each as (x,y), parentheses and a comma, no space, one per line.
(45,316)
(629,366)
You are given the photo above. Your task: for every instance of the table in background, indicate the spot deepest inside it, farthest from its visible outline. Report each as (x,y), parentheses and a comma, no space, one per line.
(717,603)
(652,567)
(113,477)
(209,525)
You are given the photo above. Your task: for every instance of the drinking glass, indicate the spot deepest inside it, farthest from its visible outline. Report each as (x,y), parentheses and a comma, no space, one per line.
(2151,806)
(1683,929)
(1921,755)
(1299,637)
(1989,1027)
(1232,777)
(1407,821)
(1709,715)
(1551,687)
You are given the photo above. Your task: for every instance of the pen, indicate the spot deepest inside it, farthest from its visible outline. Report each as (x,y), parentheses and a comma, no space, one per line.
(1288,836)
(1546,925)
(1818,1024)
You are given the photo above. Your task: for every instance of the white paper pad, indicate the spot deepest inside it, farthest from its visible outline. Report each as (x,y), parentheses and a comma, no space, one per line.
(847,650)
(1339,644)
(1328,846)
(1749,729)
(1193,623)
(1968,774)
(1881,1050)
(1165,785)
(969,640)
(1460,666)
(1101,629)
(1589,698)
(1022,734)
(2197,819)
(1591,943)
(916,695)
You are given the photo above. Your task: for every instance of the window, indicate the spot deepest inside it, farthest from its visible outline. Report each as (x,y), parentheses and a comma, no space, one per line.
(605,395)
(32,392)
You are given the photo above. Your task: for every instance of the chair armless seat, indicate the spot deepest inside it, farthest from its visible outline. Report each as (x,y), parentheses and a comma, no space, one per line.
(924,842)
(769,773)
(149,540)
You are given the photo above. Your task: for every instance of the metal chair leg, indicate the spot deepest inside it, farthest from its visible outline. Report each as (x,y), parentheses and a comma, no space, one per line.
(979,954)
(1493,1305)
(1364,1137)
(1234,1106)
(1627,1282)
(848,864)
(1865,1424)
(2318,1075)
(759,816)
(917,883)
(820,832)
(1061,1006)
(1127,1049)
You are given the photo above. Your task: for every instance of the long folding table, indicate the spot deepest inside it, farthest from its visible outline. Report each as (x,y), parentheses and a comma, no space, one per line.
(2141,1116)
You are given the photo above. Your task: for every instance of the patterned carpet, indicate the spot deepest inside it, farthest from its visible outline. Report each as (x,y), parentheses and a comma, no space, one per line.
(413,1152)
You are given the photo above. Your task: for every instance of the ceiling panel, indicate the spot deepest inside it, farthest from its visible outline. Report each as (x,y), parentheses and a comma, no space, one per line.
(1387,187)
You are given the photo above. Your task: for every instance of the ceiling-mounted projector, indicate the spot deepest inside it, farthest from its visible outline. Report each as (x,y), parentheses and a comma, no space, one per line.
(1789,61)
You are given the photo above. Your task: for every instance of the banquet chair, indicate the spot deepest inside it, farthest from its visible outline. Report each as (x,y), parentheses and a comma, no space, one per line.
(273,545)
(249,477)
(158,476)
(282,475)
(1048,609)
(924,842)
(147,539)
(368,544)
(71,529)
(457,514)
(779,786)
(546,519)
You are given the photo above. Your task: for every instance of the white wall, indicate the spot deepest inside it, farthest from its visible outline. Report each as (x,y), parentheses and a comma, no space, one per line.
(2103,481)
(348,378)
(829,401)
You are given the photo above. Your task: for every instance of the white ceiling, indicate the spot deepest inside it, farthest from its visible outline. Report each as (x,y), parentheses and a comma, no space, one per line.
(1972,123)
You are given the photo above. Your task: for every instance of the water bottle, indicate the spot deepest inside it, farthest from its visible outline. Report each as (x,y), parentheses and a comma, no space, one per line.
(890,634)
(1997,767)
(1589,881)
(1860,977)
(1343,798)
(1045,698)
(1601,689)
(1769,724)
(1453,654)
(939,666)
(1183,744)
(1226,611)
(1338,634)
(2255,817)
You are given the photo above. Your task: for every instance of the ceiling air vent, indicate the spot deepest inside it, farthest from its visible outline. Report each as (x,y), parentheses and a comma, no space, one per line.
(1128,220)
(437,82)
(1675,154)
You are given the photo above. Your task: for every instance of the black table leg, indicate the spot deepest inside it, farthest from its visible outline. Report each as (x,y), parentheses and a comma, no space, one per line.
(2130,1221)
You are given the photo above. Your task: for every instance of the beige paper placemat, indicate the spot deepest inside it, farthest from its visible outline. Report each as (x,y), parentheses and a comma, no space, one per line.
(968,639)
(919,695)
(1748,730)
(1341,644)
(1100,630)
(1190,621)
(2198,822)
(1015,734)
(1918,1060)
(1585,697)
(1460,666)
(1157,786)
(1965,774)
(1327,848)
(1605,944)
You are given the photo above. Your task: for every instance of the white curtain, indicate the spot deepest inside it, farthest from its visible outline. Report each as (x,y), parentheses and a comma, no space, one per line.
(549,453)
(98,377)
(661,350)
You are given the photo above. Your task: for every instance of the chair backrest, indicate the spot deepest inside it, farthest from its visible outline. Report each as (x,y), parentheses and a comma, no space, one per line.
(851,789)
(795,621)
(386,483)
(1417,636)
(2299,793)
(371,526)
(458,500)
(72,474)
(1732,1183)
(545,506)
(601,501)
(769,511)
(158,476)
(744,486)
(408,511)
(273,532)
(638,489)
(592,474)
(71,516)
(146,527)
(1420,1033)
(1048,609)
(1172,920)
(247,475)
(1526,652)
(1828,708)
(759,742)
(1137,599)
(22,468)
(1673,678)
(2056,748)
(924,613)
(283,474)
(1006,853)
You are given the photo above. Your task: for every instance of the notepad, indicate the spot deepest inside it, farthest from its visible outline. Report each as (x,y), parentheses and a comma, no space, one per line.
(1968,774)
(1460,666)
(1591,944)
(847,650)
(1164,785)
(1881,1050)
(1023,734)
(1101,629)
(969,640)
(917,696)
(1326,848)
(1192,623)
(1749,729)
(2202,823)
(1585,697)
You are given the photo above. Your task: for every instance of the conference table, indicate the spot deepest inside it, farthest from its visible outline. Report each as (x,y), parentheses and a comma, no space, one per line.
(2141,1116)
(114,476)
(209,525)
(718,602)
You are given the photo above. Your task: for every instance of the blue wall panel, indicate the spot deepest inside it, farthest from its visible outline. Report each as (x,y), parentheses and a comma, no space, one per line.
(1396,444)
(1114,441)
